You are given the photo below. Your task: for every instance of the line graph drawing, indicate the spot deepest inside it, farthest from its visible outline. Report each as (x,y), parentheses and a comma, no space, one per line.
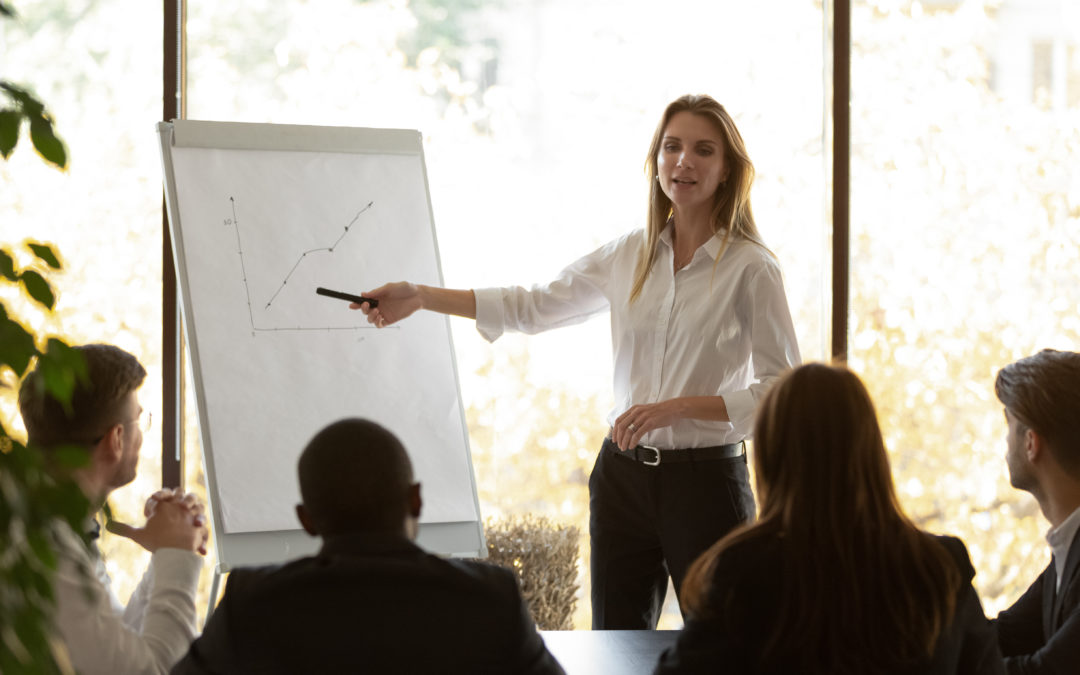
(234,222)
(328,249)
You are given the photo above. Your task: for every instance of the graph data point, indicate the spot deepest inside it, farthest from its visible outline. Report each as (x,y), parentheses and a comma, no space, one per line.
(236,223)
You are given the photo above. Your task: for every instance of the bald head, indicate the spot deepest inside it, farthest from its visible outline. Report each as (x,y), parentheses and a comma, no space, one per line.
(356,477)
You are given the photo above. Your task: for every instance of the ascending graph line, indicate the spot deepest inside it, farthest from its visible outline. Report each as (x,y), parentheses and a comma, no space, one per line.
(235,222)
(328,249)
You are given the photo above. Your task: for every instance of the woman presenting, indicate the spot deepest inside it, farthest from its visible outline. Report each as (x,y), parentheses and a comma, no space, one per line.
(700,327)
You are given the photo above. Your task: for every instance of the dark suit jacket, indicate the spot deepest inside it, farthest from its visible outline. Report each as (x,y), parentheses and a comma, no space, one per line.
(1040,633)
(372,604)
(734,639)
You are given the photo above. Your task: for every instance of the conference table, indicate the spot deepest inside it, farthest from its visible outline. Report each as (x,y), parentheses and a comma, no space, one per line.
(608,652)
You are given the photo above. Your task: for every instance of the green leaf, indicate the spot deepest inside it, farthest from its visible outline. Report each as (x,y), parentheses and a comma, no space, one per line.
(8,445)
(38,288)
(16,346)
(7,266)
(30,106)
(10,121)
(46,253)
(70,503)
(14,645)
(42,548)
(14,495)
(62,368)
(7,10)
(46,141)
(70,456)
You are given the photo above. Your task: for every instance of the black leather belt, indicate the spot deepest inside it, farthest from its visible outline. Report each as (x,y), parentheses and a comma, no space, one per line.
(652,456)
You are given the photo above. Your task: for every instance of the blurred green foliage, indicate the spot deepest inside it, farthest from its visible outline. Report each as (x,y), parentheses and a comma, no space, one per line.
(35,496)
(443,25)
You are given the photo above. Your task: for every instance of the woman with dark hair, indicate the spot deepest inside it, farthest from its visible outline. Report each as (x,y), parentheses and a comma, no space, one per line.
(833,577)
(700,327)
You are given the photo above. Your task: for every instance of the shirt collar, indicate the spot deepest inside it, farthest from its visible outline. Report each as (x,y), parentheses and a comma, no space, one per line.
(711,246)
(1060,539)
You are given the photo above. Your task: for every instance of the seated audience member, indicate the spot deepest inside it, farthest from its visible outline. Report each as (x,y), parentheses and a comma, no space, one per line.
(833,577)
(1041,632)
(371,600)
(154,629)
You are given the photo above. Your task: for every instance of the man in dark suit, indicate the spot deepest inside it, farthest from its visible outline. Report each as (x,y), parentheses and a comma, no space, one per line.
(371,600)
(1041,394)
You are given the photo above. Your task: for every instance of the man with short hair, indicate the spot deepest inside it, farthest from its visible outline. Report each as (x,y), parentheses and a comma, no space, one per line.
(1040,633)
(153,630)
(371,600)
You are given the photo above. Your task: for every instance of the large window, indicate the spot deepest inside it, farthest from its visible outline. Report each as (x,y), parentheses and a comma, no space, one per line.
(965,246)
(97,67)
(536,116)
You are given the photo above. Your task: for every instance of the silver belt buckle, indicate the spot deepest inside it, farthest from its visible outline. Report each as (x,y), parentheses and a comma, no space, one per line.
(654,449)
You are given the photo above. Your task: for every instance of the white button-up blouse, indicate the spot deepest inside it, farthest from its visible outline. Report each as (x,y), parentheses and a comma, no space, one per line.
(706,330)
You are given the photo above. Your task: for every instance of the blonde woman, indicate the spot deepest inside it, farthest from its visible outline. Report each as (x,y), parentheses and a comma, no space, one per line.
(700,326)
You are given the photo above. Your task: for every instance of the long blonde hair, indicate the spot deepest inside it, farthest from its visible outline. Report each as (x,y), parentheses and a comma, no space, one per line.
(731,204)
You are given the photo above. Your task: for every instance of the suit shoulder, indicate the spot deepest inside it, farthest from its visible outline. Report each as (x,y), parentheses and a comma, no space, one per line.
(247,580)
(485,573)
(958,552)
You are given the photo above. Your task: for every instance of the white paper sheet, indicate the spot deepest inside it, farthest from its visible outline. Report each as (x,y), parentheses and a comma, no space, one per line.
(276,362)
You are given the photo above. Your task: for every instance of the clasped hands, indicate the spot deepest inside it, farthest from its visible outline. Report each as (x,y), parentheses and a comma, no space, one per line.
(174,519)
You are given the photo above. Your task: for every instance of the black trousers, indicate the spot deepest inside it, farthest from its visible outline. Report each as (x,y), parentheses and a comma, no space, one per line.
(648,522)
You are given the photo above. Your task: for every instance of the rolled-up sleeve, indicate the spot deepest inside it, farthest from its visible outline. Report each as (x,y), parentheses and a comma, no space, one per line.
(98,639)
(579,292)
(774,347)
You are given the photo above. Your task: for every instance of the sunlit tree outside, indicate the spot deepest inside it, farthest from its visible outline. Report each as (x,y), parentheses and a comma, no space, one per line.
(966,242)
(536,115)
(98,65)
(536,118)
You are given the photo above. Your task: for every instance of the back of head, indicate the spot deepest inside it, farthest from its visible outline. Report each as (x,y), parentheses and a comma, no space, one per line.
(96,404)
(1043,392)
(859,583)
(819,455)
(355,477)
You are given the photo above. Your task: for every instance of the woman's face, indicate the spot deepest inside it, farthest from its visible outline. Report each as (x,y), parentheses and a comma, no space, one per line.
(690,163)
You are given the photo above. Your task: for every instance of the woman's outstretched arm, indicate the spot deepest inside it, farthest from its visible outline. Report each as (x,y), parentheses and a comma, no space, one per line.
(401,299)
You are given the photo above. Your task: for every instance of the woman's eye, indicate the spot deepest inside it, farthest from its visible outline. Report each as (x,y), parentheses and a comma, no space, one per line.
(671,147)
